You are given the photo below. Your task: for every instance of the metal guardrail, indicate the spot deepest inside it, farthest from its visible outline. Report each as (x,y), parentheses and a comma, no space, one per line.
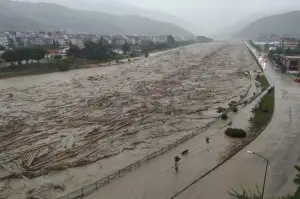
(87,190)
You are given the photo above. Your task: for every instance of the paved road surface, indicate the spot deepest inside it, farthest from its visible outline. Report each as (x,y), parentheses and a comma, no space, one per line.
(280,143)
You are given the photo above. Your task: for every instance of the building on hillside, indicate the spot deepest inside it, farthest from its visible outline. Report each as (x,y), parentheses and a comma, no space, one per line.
(3,40)
(63,41)
(72,39)
(291,63)
(119,40)
(288,43)
(31,41)
(107,38)
(133,39)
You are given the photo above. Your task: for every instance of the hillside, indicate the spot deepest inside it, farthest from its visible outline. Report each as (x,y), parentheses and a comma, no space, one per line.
(117,7)
(281,24)
(47,16)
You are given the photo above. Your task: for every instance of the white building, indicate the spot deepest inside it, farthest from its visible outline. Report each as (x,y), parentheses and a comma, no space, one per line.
(3,40)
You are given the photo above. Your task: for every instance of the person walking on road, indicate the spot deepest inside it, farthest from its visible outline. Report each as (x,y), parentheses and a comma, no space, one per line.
(207,142)
(176,159)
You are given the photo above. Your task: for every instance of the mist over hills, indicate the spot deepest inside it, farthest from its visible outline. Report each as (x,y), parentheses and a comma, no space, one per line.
(281,24)
(20,16)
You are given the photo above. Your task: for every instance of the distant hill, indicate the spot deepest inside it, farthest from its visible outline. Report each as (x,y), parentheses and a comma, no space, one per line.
(280,24)
(117,7)
(20,16)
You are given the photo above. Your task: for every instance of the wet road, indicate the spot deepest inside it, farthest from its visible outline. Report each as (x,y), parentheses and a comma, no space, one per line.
(280,143)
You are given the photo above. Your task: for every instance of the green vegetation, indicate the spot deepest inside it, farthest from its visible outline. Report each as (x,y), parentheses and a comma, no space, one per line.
(2,48)
(254,195)
(235,133)
(235,109)
(221,110)
(57,57)
(263,112)
(93,52)
(19,55)
(62,65)
(125,47)
(263,81)
(150,46)
(224,116)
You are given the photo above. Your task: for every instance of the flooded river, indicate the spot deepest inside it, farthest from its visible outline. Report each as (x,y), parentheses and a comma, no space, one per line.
(72,128)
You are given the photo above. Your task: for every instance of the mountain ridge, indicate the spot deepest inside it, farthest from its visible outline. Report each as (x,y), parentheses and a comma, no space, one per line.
(22,16)
(282,24)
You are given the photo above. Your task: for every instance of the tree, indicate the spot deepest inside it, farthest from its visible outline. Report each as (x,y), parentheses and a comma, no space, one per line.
(125,48)
(288,51)
(11,43)
(266,47)
(24,54)
(9,56)
(297,178)
(100,50)
(74,52)
(171,41)
(38,53)
(2,48)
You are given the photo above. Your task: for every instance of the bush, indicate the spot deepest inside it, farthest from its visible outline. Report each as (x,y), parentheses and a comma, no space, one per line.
(57,57)
(220,110)
(235,109)
(63,67)
(235,133)
(146,54)
(224,116)
(232,103)
(133,54)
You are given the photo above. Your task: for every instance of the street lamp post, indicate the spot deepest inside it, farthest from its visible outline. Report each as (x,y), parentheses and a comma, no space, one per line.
(268,162)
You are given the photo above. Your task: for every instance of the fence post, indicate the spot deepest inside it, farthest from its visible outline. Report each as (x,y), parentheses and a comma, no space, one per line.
(147,158)
(108,178)
(162,151)
(81,191)
(96,186)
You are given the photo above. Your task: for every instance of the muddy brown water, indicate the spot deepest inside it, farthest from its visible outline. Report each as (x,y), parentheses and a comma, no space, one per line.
(83,124)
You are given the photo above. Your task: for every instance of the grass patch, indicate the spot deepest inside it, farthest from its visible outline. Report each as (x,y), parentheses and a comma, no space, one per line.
(263,112)
(235,133)
(263,81)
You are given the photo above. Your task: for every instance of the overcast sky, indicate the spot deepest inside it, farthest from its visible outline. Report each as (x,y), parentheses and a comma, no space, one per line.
(210,15)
